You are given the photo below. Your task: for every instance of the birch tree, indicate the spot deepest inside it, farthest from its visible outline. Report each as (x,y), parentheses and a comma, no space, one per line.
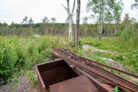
(117,9)
(53,20)
(99,9)
(25,20)
(45,22)
(31,25)
(70,18)
(108,19)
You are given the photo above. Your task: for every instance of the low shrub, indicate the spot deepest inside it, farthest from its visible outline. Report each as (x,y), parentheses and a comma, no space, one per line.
(8,60)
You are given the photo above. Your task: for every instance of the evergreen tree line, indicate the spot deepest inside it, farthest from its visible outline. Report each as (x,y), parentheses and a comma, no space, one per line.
(29,28)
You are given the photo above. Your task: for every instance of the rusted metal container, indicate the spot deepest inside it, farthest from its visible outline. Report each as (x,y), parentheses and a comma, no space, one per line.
(53,72)
(77,84)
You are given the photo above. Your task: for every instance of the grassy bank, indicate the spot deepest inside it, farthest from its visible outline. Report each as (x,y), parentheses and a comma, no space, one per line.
(20,54)
(124,52)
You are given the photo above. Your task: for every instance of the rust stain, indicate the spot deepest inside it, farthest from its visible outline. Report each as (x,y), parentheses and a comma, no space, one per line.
(77,84)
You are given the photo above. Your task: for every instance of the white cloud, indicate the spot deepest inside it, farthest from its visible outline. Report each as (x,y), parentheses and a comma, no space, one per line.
(15,10)
(127,9)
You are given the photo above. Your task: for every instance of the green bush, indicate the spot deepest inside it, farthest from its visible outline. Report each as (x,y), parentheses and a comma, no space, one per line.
(20,54)
(116,89)
(32,77)
(43,44)
(127,33)
(33,50)
(21,57)
(8,60)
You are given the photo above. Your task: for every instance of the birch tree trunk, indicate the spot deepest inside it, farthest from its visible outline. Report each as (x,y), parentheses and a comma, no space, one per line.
(70,30)
(101,20)
(108,33)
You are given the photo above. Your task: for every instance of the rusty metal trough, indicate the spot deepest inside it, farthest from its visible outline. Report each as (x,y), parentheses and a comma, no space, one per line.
(58,76)
(53,72)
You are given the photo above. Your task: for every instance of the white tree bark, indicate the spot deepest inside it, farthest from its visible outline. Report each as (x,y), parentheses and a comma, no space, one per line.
(101,19)
(70,31)
(70,19)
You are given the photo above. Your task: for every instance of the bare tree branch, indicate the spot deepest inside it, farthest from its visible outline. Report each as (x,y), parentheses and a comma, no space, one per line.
(73,7)
(68,7)
(64,7)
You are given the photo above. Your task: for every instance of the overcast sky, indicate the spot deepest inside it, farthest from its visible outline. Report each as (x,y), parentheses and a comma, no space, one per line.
(15,10)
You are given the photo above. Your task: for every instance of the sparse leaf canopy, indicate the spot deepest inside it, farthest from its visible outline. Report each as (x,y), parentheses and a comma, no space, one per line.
(69,11)
(85,19)
(45,20)
(31,21)
(111,9)
(135,5)
(25,19)
(53,20)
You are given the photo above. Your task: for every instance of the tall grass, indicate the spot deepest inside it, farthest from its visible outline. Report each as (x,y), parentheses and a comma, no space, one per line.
(126,51)
(19,54)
